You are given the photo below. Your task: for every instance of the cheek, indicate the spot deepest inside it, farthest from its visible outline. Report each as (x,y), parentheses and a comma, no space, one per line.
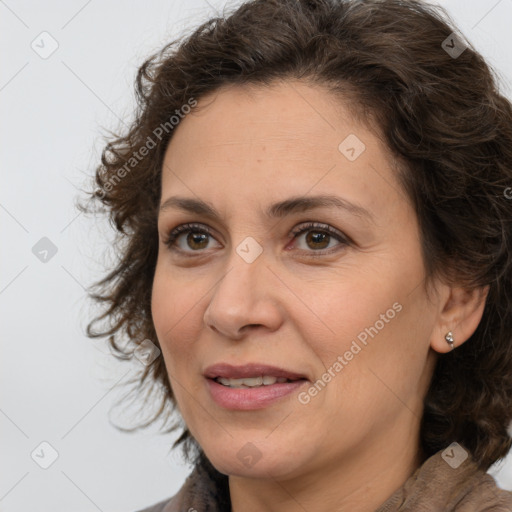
(342,308)
(175,310)
(373,322)
(174,307)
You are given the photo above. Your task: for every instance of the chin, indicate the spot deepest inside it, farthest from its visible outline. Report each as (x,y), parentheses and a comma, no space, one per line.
(253,460)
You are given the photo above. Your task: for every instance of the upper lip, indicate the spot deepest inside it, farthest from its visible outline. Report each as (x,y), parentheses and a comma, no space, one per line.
(229,371)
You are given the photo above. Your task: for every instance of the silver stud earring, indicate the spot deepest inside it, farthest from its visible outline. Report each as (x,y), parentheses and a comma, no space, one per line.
(449,339)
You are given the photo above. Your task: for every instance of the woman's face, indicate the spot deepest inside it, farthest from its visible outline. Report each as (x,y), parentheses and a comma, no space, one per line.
(344,309)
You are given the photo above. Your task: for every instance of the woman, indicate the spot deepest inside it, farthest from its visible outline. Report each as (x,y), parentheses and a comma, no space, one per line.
(315,234)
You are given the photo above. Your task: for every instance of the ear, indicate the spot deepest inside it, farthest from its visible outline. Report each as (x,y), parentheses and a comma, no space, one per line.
(460,312)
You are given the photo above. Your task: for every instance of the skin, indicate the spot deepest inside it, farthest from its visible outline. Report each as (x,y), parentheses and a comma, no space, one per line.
(354,443)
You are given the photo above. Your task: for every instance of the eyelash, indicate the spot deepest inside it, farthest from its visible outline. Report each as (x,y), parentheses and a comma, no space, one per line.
(172,236)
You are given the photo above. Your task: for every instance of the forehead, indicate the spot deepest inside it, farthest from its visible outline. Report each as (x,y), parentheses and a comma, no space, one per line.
(280,114)
(289,137)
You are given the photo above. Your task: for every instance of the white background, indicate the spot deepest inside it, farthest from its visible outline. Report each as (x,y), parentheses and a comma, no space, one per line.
(57,385)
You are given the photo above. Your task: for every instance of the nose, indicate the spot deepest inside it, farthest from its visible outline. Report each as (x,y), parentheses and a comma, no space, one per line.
(245,298)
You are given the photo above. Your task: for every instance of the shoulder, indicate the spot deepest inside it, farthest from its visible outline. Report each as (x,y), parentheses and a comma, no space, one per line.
(451,484)
(487,494)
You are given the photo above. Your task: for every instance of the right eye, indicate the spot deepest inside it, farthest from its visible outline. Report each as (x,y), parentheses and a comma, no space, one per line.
(198,238)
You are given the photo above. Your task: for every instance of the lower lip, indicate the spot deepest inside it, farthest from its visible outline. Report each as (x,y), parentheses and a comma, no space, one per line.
(246,399)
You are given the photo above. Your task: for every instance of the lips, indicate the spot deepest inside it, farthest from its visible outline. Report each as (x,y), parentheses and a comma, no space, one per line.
(241,388)
(228,371)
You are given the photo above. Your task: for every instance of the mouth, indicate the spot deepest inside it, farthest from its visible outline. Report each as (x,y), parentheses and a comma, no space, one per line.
(251,374)
(253,382)
(251,386)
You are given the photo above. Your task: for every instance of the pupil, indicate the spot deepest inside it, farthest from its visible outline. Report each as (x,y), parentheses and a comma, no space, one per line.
(315,237)
(193,238)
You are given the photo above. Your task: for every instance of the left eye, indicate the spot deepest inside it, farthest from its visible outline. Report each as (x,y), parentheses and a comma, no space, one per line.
(318,237)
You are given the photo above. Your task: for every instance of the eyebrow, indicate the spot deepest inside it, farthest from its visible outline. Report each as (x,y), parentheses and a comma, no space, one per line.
(289,206)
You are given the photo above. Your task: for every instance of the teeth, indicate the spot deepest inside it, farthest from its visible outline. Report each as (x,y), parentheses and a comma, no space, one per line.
(251,382)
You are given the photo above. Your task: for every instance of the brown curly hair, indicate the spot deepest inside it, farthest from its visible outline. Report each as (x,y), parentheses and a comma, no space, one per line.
(442,117)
